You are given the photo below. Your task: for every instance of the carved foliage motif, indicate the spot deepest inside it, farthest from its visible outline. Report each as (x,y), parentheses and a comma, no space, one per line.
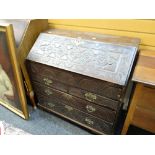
(105,61)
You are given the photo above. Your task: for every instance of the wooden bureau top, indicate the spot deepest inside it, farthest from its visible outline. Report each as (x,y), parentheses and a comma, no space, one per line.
(145,68)
(88,54)
(107,38)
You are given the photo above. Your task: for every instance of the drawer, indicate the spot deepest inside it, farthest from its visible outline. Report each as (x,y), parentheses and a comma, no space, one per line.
(88,96)
(144,118)
(147,99)
(75,115)
(51,95)
(38,71)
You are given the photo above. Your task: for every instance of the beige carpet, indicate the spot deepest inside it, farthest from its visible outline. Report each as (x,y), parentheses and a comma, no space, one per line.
(8,129)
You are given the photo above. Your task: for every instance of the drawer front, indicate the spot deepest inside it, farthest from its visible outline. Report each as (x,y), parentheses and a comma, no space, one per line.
(77,116)
(147,99)
(88,96)
(83,105)
(102,88)
(144,118)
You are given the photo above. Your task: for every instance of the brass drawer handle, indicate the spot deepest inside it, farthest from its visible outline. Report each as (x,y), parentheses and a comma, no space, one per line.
(67,96)
(89,121)
(51,105)
(90,97)
(47,81)
(90,108)
(69,108)
(48,92)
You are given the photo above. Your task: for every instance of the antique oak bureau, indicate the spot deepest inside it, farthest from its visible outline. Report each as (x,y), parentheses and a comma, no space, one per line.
(81,76)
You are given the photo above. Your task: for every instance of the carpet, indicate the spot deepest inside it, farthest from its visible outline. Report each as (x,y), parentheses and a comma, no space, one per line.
(9,129)
(41,123)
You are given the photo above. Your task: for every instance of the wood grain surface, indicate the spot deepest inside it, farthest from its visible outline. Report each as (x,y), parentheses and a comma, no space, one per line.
(145,68)
(144,118)
(97,59)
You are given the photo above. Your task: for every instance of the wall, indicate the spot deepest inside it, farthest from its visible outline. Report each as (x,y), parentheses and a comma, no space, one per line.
(143,29)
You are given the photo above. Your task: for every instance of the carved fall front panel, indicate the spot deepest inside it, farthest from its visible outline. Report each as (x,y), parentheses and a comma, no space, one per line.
(104,61)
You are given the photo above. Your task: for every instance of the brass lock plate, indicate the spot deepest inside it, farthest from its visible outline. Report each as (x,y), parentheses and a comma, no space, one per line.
(90,97)
(47,81)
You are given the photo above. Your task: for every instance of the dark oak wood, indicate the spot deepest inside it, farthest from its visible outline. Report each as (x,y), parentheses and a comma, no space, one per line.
(107,38)
(74,114)
(100,100)
(82,79)
(102,88)
(85,106)
(103,61)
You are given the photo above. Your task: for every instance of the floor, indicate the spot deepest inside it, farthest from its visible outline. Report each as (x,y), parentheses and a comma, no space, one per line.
(43,123)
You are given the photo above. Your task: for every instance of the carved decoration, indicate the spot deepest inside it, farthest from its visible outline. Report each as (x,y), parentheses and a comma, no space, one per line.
(104,61)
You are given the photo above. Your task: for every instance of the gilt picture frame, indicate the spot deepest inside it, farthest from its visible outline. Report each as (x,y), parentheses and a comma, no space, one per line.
(12,93)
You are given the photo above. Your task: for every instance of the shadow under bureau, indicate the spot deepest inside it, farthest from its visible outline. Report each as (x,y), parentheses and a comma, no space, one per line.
(82,76)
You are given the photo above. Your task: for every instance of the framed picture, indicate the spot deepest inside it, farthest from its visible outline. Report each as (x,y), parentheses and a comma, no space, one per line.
(12,93)
(26,32)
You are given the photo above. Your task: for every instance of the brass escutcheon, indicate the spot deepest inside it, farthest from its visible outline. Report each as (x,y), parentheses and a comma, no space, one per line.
(90,108)
(89,121)
(90,97)
(47,81)
(69,108)
(51,104)
(67,96)
(48,92)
